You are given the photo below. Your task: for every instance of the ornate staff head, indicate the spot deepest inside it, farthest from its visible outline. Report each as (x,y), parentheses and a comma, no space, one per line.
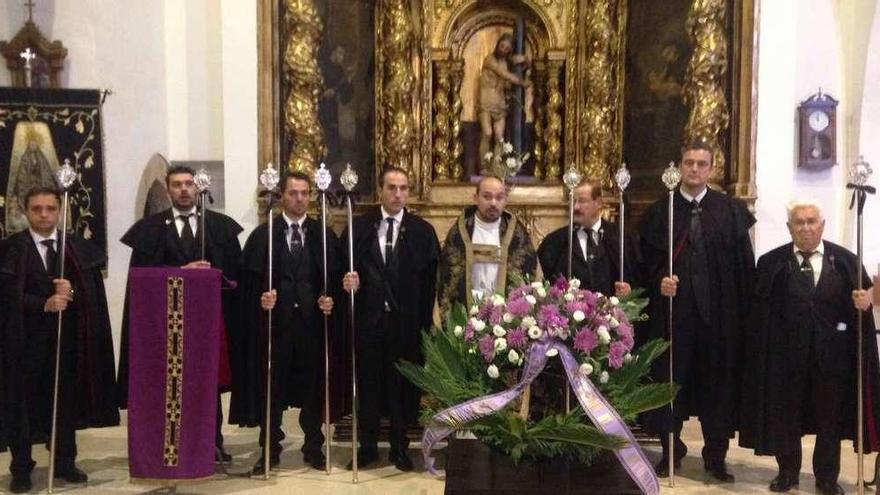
(202,180)
(622,177)
(323,178)
(349,178)
(572,178)
(860,172)
(269,178)
(671,176)
(65,176)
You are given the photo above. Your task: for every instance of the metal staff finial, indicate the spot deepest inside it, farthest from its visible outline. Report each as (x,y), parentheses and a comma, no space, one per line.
(202,181)
(65,176)
(323,178)
(622,179)
(269,179)
(349,180)
(671,178)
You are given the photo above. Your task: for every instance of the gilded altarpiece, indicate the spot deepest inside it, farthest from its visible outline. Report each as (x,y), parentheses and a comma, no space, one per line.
(608,80)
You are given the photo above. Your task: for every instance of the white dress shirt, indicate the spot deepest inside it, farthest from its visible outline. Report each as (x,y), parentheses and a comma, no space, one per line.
(483,275)
(193,220)
(815,260)
(698,197)
(594,231)
(383,230)
(41,248)
(290,221)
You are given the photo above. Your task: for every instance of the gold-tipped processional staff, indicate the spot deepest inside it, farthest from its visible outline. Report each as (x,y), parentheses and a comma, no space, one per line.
(65,177)
(323,178)
(671,177)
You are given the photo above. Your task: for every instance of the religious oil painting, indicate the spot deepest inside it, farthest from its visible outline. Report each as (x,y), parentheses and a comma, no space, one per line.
(33,163)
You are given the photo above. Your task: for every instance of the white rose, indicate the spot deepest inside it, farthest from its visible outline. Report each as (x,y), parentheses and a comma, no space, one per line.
(552,352)
(477,294)
(528,322)
(574,283)
(479,325)
(603,377)
(537,285)
(457,331)
(513,356)
(497,300)
(475,309)
(492,371)
(508,148)
(531,299)
(541,292)
(511,163)
(578,316)
(628,358)
(507,317)
(535,332)
(569,296)
(499,331)
(488,156)
(604,336)
(500,344)
(613,322)
(614,300)
(586,369)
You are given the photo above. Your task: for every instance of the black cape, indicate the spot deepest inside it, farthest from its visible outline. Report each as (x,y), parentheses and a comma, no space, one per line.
(731,262)
(95,404)
(553,256)
(765,423)
(249,346)
(152,246)
(408,285)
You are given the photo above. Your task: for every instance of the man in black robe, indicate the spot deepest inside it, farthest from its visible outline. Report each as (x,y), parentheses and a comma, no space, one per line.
(395,258)
(299,302)
(173,238)
(595,259)
(712,283)
(800,360)
(31,296)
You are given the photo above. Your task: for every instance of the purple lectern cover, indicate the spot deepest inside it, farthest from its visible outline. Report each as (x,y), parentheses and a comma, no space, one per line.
(174,351)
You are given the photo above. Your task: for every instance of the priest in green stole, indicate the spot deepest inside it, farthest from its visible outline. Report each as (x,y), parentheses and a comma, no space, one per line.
(487,251)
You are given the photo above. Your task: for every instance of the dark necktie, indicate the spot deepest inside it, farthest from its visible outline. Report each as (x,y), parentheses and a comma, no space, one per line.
(51,257)
(187,238)
(807,267)
(389,239)
(592,246)
(695,228)
(296,240)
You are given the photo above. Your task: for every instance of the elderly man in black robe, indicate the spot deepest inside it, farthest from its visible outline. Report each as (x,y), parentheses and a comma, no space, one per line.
(800,369)
(31,296)
(595,259)
(299,302)
(395,260)
(173,238)
(712,284)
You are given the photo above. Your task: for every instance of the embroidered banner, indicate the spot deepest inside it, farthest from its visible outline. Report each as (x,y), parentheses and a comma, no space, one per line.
(39,129)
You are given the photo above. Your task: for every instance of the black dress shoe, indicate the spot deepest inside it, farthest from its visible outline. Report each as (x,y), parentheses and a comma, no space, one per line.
(662,467)
(20,484)
(315,459)
(718,470)
(221,456)
(400,460)
(71,474)
(260,466)
(829,488)
(784,482)
(365,459)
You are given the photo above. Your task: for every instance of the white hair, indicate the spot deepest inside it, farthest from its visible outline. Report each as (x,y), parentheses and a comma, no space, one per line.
(798,204)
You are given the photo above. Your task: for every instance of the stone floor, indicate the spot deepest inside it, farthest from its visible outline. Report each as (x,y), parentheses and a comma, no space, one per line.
(103,457)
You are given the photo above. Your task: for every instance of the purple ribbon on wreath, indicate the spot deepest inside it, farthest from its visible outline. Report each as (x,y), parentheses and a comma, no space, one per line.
(600,412)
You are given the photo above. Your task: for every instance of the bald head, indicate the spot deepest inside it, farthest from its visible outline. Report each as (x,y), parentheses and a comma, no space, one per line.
(490,198)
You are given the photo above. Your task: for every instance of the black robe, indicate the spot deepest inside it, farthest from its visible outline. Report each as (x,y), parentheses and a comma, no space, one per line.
(777,350)
(407,284)
(249,348)
(553,255)
(95,401)
(155,242)
(731,265)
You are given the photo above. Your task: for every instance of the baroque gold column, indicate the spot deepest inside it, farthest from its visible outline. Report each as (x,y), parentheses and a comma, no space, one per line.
(554,120)
(303,32)
(398,82)
(457,76)
(600,98)
(540,81)
(442,135)
(704,88)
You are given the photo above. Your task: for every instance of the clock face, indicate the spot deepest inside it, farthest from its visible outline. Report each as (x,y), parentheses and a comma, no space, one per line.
(818,120)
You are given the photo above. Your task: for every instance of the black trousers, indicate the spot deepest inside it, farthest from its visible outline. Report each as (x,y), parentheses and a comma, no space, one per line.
(822,398)
(300,356)
(380,386)
(40,375)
